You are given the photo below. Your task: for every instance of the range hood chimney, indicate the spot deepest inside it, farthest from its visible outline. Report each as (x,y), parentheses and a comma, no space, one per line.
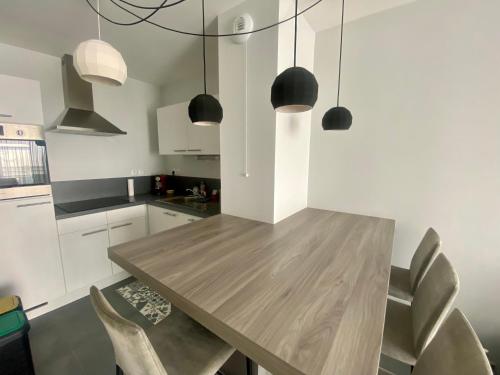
(78,116)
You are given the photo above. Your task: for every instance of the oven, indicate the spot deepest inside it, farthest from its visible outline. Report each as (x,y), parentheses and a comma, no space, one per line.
(24,170)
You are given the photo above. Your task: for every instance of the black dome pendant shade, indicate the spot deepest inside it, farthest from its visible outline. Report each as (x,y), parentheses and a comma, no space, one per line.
(296,89)
(338,118)
(204,109)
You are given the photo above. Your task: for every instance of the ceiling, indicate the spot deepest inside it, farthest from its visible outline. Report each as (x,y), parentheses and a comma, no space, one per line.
(158,56)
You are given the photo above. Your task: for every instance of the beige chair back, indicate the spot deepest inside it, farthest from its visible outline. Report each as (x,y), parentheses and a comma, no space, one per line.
(426,252)
(433,299)
(456,350)
(133,351)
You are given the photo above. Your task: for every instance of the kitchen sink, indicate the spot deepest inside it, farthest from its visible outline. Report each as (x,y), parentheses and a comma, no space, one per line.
(188,201)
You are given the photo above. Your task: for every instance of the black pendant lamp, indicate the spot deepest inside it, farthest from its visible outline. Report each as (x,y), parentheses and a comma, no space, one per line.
(204,109)
(338,118)
(296,89)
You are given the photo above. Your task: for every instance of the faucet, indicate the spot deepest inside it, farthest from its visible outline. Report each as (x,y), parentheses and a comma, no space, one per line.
(194,191)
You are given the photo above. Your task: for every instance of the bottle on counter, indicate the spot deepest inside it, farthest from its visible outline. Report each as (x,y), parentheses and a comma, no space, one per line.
(203,189)
(215,195)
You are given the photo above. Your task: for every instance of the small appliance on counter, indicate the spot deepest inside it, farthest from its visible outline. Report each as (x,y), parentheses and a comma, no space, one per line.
(159,185)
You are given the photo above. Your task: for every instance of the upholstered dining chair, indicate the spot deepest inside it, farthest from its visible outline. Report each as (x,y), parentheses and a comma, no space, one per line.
(403,282)
(186,348)
(409,328)
(455,350)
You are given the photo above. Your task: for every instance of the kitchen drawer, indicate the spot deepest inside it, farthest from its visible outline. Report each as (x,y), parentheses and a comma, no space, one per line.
(81,223)
(85,257)
(30,262)
(122,214)
(126,231)
(190,219)
(161,219)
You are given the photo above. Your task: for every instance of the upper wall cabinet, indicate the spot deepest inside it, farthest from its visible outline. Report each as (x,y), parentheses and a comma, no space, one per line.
(178,136)
(20,100)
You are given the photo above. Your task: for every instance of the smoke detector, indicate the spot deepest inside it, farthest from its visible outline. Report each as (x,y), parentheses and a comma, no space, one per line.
(242,24)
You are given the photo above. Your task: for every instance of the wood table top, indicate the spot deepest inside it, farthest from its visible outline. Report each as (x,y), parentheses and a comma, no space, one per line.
(304,296)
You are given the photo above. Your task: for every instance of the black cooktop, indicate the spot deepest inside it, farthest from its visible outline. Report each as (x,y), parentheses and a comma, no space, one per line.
(92,204)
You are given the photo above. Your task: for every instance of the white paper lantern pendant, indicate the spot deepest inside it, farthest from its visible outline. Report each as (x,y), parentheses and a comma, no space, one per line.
(96,61)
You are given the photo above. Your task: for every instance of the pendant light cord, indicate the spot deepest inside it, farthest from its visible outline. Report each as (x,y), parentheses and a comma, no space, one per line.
(340,54)
(146,19)
(295,41)
(204,50)
(245,172)
(98,21)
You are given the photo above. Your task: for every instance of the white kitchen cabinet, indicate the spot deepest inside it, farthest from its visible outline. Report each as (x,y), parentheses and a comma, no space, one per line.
(190,219)
(30,263)
(84,251)
(161,219)
(204,140)
(125,231)
(123,214)
(20,100)
(178,136)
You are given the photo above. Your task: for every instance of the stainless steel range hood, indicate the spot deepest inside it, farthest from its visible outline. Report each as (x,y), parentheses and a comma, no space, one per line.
(79,116)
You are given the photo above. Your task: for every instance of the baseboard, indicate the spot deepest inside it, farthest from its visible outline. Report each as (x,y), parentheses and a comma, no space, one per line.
(75,295)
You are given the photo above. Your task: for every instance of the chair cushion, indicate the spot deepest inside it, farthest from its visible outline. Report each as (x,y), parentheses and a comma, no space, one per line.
(187,348)
(399,284)
(425,254)
(398,333)
(456,350)
(432,301)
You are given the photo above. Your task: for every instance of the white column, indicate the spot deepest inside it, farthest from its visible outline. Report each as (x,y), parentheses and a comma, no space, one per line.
(278,144)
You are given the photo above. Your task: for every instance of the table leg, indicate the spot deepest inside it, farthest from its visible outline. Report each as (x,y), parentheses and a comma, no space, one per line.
(249,365)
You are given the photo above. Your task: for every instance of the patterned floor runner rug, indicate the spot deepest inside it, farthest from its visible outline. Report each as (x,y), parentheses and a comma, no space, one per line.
(148,302)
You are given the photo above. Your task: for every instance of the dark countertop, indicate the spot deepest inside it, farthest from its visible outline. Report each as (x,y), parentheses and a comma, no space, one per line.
(88,206)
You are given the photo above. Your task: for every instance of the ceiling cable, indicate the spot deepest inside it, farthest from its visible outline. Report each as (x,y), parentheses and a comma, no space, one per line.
(141,19)
(146,19)
(146,7)
(98,21)
(204,48)
(340,54)
(295,40)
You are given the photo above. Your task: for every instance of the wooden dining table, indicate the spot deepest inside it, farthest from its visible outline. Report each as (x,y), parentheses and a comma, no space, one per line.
(304,296)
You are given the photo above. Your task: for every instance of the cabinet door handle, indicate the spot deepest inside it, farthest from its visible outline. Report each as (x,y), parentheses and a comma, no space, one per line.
(121,226)
(195,149)
(93,232)
(5,115)
(32,204)
(180,150)
(169,214)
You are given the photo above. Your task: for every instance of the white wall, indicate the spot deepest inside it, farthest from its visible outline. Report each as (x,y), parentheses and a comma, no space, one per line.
(422,82)
(251,197)
(192,166)
(293,131)
(132,108)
